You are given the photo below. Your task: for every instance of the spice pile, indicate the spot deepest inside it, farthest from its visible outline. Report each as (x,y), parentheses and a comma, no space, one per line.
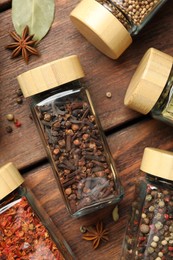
(77,150)
(10,117)
(155,238)
(22,236)
(130,12)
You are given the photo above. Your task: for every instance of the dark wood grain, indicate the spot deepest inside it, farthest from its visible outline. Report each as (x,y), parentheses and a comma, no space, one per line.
(4,5)
(127,148)
(128,133)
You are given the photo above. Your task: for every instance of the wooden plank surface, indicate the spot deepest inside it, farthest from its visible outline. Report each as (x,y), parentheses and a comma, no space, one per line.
(127,134)
(102,75)
(127,148)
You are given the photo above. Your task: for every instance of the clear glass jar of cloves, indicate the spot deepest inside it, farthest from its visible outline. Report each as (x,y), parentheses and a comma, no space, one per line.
(26,230)
(72,135)
(110,25)
(151,87)
(149,232)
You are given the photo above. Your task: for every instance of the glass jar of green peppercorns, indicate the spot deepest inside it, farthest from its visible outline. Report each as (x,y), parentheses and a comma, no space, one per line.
(151,87)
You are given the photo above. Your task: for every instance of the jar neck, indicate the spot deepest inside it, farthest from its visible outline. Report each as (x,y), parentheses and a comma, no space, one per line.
(11,197)
(74,85)
(154,179)
(132,18)
(118,13)
(166,95)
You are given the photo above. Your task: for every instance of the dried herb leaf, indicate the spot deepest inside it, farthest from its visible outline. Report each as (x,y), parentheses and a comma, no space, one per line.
(38,15)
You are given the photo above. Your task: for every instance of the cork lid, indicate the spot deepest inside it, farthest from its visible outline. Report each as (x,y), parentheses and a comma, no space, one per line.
(10,179)
(50,75)
(100,27)
(148,81)
(158,163)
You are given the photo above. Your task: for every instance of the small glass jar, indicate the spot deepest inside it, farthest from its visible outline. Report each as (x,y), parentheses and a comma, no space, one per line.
(150,89)
(72,135)
(110,25)
(149,233)
(26,230)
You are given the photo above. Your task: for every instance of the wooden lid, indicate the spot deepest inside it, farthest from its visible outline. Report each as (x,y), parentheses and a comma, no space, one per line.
(158,163)
(10,179)
(50,75)
(148,81)
(100,27)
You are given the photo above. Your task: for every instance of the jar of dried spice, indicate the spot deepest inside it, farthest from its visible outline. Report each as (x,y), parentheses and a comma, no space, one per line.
(149,233)
(22,232)
(110,25)
(151,87)
(72,135)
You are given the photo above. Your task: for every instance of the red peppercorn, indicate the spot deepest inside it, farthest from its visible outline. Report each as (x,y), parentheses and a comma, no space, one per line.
(170,248)
(166,216)
(17,123)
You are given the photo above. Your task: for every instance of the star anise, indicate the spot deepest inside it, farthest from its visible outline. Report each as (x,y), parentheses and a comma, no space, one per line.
(23,45)
(96,234)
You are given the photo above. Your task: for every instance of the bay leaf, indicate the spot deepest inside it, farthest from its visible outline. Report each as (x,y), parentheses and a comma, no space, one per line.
(37,14)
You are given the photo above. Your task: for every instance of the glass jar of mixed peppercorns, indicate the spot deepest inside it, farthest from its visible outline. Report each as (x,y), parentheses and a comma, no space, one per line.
(149,233)
(111,24)
(151,87)
(22,232)
(72,135)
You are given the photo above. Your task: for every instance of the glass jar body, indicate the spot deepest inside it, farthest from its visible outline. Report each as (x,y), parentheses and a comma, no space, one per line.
(133,14)
(22,231)
(163,109)
(149,233)
(77,149)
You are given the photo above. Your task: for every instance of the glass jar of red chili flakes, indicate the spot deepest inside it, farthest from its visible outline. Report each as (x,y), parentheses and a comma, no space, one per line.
(149,232)
(22,233)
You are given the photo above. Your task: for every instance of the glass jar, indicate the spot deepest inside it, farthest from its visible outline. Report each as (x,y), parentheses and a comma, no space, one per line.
(22,232)
(150,89)
(111,24)
(72,135)
(149,233)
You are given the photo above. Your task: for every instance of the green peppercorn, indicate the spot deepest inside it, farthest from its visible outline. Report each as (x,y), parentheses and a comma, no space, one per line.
(83,229)
(10,117)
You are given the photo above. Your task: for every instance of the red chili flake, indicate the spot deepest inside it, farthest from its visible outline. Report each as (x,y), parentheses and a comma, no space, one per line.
(135,222)
(23,236)
(166,216)
(142,238)
(170,248)
(17,123)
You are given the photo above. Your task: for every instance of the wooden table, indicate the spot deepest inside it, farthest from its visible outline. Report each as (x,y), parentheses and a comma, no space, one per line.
(127,132)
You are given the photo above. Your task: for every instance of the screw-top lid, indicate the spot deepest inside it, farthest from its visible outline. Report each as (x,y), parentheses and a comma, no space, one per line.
(100,27)
(148,81)
(10,179)
(50,75)
(158,162)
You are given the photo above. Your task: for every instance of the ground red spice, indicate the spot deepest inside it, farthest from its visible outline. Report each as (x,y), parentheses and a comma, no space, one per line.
(22,235)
